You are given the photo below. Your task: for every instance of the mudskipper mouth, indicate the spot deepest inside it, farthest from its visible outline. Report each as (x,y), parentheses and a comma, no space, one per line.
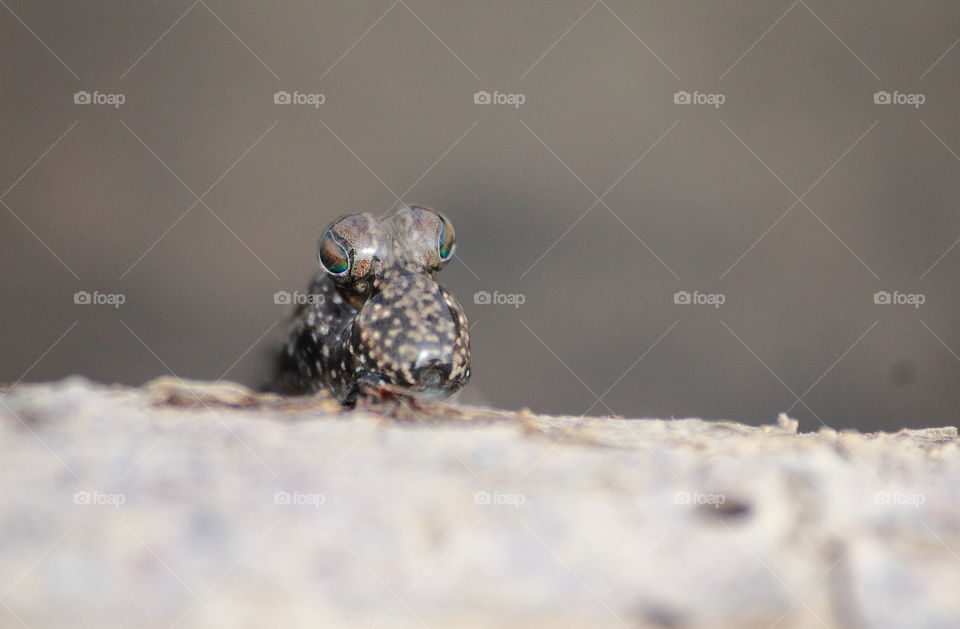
(430,379)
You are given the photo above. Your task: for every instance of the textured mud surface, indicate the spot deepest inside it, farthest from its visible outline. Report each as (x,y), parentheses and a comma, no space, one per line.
(189,505)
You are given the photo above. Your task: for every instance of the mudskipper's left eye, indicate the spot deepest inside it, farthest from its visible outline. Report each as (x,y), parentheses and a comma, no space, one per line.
(447,240)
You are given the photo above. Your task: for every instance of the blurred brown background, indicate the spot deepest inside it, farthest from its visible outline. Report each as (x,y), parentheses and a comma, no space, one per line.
(98,198)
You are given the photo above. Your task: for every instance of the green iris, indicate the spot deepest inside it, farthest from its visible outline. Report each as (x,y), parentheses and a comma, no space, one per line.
(447,239)
(332,256)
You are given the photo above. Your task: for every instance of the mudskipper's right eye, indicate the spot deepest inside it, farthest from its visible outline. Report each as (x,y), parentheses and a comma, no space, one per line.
(332,255)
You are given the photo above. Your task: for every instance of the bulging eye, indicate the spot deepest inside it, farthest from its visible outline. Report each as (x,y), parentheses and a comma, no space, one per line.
(447,240)
(332,256)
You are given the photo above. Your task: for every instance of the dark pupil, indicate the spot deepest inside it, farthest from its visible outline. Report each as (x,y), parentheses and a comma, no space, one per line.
(446,242)
(332,255)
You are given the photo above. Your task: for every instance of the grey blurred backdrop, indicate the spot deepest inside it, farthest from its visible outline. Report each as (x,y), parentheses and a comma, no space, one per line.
(693,197)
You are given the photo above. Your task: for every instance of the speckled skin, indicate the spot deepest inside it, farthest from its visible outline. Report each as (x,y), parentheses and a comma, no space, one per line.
(383,321)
